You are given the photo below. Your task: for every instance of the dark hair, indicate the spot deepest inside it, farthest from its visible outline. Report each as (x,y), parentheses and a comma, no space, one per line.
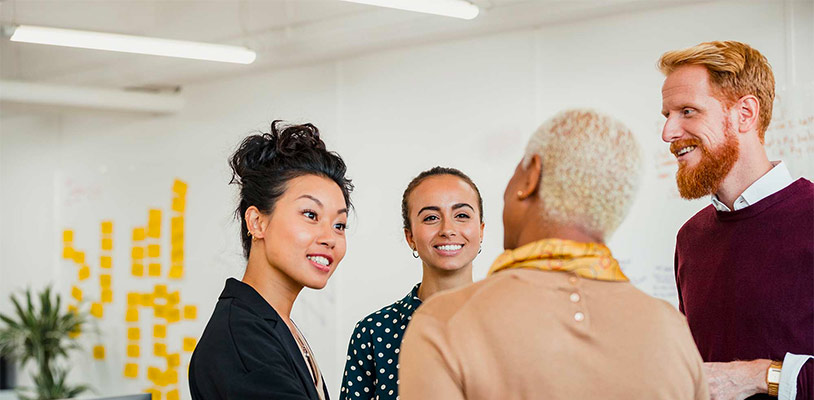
(405,212)
(264,163)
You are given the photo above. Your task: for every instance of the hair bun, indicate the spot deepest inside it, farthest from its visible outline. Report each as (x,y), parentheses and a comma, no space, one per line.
(261,152)
(296,137)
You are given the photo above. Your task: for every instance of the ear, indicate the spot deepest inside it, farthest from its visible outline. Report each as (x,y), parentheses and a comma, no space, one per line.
(748,113)
(531,178)
(408,236)
(482,225)
(256,222)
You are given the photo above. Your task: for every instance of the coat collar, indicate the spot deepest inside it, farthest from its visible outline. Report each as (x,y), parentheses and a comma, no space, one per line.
(246,294)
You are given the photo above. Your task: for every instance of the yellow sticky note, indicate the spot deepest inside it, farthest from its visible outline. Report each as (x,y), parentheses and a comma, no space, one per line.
(139,234)
(154,224)
(79,257)
(173,360)
(107,296)
(160,349)
(179,204)
(131,370)
(137,253)
(189,344)
(133,299)
(160,290)
(76,293)
(133,333)
(177,254)
(131,315)
(106,262)
(190,312)
(99,352)
(155,393)
(177,225)
(107,244)
(67,253)
(84,272)
(179,187)
(176,272)
(154,269)
(159,311)
(173,315)
(133,350)
(171,377)
(137,269)
(146,300)
(172,395)
(107,227)
(159,331)
(97,310)
(67,236)
(154,251)
(153,373)
(174,298)
(104,280)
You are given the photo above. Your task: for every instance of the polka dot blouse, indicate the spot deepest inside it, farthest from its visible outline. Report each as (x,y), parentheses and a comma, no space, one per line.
(371,370)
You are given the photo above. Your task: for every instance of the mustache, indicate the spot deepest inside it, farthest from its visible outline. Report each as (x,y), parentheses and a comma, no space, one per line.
(680,144)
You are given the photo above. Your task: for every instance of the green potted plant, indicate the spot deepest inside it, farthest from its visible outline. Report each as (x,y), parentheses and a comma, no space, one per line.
(43,335)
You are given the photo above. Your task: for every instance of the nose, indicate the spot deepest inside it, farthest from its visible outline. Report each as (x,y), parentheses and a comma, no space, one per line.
(326,237)
(671,131)
(447,230)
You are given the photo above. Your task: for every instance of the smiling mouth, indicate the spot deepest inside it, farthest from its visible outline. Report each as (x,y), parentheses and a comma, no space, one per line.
(684,150)
(448,249)
(320,262)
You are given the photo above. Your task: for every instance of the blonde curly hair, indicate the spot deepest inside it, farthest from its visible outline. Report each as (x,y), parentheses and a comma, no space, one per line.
(590,170)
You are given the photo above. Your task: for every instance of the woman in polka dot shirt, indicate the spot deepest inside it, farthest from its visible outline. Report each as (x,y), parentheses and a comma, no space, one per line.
(442,212)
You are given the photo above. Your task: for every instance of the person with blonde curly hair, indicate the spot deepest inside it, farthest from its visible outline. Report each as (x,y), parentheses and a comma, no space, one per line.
(556,318)
(744,264)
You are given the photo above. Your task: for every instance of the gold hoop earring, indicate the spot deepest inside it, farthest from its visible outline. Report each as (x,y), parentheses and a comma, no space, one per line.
(249,233)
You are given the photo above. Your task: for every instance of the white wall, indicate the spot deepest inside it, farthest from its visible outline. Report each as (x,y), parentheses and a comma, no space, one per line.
(469,104)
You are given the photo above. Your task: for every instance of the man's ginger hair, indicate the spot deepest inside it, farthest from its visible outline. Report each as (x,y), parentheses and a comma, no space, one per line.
(591,166)
(735,70)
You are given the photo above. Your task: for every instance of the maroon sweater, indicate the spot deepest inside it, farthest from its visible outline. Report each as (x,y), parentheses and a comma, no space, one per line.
(746,280)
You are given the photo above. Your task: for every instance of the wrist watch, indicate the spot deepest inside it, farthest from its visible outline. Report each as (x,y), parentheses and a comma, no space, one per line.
(773,377)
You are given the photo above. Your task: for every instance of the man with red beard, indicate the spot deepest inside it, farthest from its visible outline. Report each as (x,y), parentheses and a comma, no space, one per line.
(745,264)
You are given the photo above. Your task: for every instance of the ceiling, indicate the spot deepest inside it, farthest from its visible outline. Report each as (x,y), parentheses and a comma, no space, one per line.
(283,32)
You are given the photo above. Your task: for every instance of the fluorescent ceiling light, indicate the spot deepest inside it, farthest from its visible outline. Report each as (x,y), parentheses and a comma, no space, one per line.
(132,44)
(449,8)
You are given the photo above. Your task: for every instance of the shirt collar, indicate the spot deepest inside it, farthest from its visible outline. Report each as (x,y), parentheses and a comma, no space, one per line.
(772,182)
(410,302)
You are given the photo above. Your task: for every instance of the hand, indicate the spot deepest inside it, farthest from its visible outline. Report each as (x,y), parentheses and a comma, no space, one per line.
(736,380)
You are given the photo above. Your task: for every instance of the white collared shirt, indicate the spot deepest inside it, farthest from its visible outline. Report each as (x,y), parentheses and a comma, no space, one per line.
(772,182)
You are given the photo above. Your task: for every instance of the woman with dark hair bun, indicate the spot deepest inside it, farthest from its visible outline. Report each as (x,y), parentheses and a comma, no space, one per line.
(442,213)
(294,201)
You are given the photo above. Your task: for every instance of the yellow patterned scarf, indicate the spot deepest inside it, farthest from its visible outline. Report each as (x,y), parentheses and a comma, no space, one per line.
(588,260)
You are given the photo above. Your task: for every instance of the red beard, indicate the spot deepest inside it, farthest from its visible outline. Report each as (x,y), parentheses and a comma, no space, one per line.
(705,178)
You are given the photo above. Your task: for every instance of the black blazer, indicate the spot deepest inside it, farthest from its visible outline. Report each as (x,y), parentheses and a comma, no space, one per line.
(247,352)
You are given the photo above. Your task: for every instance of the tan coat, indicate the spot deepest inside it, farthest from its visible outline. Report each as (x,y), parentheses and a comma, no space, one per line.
(529,334)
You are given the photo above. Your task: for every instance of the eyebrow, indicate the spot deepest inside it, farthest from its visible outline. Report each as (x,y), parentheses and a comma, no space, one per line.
(462,205)
(319,203)
(435,208)
(308,196)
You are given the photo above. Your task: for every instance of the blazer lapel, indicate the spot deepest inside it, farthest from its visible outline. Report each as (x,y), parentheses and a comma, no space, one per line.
(293,351)
(237,289)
